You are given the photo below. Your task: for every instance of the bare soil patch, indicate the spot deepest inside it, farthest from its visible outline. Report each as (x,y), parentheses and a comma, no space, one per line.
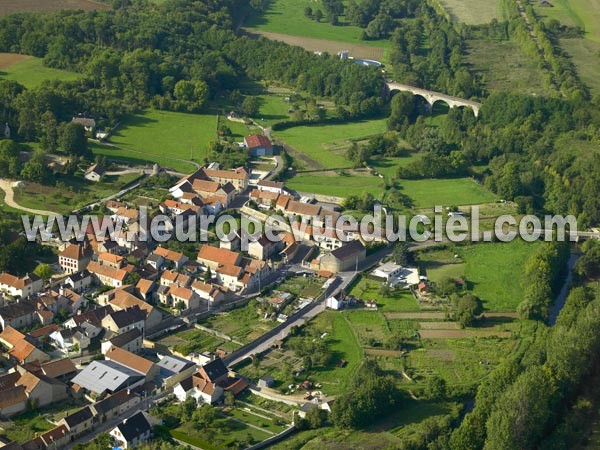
(14,6)
(462,334)
(322,45)
(499,315)
(10,59)
(382,352)
(416,315)
(444,355)
(438,325)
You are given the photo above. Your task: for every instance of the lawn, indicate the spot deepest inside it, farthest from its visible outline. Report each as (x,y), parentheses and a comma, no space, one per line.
(31,72)
(73,193)
(400,300)
(287,17)
(119,155)
(504,67)
(336,185)
(473,12)
(445,192)
(388,166)
(492,270)
(164,137)
(325,146)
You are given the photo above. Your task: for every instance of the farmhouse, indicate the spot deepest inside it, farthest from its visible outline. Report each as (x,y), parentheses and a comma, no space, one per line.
(133,362)
(130,340)
(115,405)
(94,173)
(238,178)
(344,258)
(87,123)
(259,145)
(276,187)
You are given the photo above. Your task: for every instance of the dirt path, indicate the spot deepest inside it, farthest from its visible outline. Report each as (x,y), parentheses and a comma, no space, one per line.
(322,45)
(9,199)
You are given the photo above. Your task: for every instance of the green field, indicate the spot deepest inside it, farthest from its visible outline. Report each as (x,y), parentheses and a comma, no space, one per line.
(287,17)
(504,67)
(77,192)
(324,146)
(338,186)
(32,73)
(242,324)
(447,192)
(398,301)
(163,137)
(492,270)
(582,13)
(473,12)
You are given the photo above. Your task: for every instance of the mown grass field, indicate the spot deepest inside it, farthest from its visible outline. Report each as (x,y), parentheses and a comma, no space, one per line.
(164,136)
(325,146)
(445,192)
(398,301)
(586,57)
(338,186)
(583,51)
(583,13)
(287,17)
(30,71)
(473,12)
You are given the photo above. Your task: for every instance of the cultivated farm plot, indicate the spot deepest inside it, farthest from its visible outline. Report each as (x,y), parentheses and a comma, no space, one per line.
(461,334)
(30,71)
(473,12)
(14,6)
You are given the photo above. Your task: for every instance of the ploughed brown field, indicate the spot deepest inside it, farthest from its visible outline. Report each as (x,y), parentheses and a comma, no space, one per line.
(13,6)
(322,45)
(10,59)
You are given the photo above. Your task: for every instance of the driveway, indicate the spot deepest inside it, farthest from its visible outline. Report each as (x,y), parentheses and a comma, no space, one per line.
(9,199)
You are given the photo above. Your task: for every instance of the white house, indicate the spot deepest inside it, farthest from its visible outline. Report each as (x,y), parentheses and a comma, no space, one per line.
(334,303)
(388,271)
(94,173)
(198,388)
(133,431)
(20,287)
